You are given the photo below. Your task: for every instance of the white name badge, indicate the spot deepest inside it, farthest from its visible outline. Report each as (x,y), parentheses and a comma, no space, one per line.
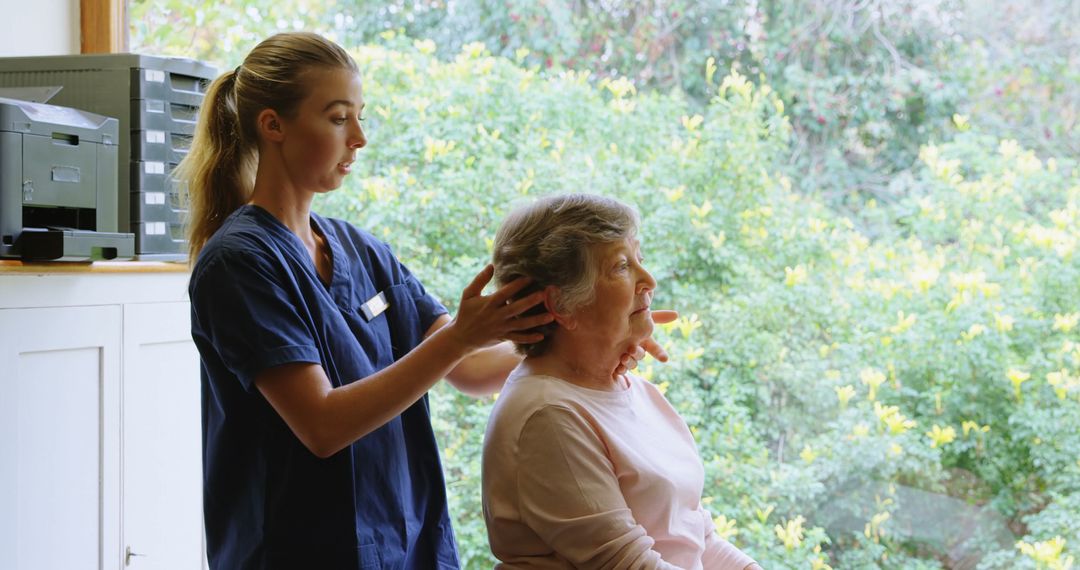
(374,306)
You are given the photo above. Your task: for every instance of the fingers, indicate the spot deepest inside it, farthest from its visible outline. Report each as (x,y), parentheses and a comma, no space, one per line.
(628,361)
(651,346)
(477,286)
(621,379)
(654,348)
(526,323)
(524,304)
(507,292)
(524,338)
(664,316)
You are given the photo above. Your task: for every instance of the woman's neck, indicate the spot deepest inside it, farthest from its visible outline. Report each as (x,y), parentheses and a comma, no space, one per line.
(582,363)
(275,192)
(296,215)
(290,209)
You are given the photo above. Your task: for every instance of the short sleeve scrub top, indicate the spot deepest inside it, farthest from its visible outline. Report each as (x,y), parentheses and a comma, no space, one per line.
(257,302)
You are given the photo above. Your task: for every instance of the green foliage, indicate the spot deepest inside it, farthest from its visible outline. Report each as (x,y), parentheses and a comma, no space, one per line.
(895,389)
(1022,72)
(923,316)
(215,31)
(865,83)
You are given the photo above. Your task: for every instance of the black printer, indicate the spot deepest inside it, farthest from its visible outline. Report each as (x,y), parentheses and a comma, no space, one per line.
(58,184)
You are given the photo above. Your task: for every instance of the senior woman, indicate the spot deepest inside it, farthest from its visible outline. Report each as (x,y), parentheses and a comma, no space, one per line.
(580,469)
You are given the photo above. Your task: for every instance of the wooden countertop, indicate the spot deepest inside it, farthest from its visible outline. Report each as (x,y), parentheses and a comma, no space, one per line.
(55,267)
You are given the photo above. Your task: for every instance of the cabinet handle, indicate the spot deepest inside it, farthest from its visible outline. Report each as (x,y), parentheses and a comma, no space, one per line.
(128,554)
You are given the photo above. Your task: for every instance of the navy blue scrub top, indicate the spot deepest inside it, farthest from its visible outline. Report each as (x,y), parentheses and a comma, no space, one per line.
(257,302)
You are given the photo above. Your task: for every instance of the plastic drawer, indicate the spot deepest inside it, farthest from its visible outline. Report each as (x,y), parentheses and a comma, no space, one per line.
(159,115)
(158,206)
(166,85)
(150,175)
(160,240)
(159,146)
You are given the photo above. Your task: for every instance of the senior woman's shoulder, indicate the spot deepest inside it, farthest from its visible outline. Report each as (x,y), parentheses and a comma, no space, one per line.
(535,388)
(523,396)
(647,389)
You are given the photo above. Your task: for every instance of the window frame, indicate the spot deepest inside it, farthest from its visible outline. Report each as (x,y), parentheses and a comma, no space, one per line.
(103,26)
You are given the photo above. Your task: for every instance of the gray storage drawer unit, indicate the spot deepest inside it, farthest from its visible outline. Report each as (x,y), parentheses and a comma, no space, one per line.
(156,100)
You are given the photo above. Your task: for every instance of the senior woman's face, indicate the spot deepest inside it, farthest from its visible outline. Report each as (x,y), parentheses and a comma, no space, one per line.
(624,289)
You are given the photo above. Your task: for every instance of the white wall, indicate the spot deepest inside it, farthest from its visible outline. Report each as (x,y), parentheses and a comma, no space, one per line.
(39,27)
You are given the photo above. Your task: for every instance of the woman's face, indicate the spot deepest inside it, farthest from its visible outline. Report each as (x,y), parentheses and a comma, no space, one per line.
(321,141)
(623,293)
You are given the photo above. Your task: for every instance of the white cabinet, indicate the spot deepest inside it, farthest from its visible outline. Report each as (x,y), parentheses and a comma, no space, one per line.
(100,443)
(60,437)
(162,439)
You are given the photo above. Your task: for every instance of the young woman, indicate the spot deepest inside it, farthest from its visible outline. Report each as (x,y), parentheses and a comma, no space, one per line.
(317,345)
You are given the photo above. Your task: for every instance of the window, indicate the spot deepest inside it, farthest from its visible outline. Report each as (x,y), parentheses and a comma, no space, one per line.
(867,219)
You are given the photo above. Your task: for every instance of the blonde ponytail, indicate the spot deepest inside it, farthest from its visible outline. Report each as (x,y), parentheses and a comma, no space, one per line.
(218,173)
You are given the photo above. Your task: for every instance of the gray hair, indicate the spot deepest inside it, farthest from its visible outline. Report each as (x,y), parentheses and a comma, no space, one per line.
(553,241)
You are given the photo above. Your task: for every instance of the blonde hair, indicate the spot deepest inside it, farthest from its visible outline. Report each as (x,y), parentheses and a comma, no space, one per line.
(553,242)
(218,174)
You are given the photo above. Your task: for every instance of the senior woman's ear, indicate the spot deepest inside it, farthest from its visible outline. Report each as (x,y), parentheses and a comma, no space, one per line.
(552,296)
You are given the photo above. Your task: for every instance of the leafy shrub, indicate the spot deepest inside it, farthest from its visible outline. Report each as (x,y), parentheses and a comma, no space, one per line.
(902,393)
(865,82)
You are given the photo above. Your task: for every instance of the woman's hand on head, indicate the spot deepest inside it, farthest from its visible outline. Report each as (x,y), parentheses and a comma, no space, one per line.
(484,320)
(629,360)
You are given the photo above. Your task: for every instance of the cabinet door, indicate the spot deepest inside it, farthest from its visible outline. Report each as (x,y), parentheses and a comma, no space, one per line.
(162,435)
(60,438)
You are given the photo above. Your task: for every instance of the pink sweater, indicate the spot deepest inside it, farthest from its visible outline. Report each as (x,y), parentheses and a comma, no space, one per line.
(581,478)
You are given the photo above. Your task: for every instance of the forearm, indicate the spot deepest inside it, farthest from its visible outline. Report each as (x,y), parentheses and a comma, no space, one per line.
(380,397)
(484,372)
(721,554)
(328,419)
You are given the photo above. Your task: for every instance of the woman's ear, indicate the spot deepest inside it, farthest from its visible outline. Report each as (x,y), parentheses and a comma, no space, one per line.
(269,124)
(551,303)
